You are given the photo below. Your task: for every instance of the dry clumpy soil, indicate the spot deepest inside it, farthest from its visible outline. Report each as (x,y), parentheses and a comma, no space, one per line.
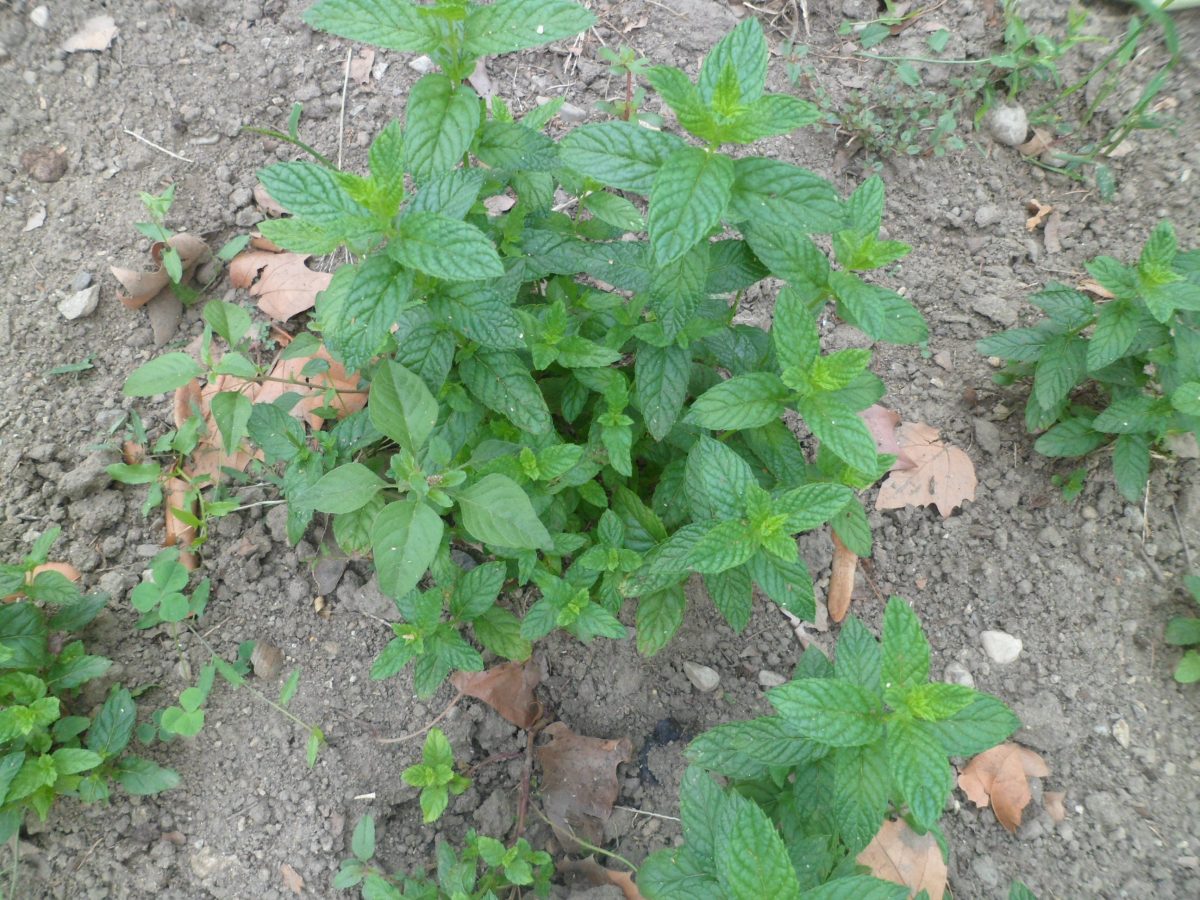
(1086,586)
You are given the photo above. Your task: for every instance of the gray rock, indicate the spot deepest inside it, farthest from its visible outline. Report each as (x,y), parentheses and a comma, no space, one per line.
(88,477)
(988,214)
(995,308)
(1008,125)
(957,673)
(81,303)
(367,599)
(94,514)
(1051,537)
(703,678)
(769,679)
(1044,723)
(1000,646)
(327,572)
(81,281)
(987,436)
(1106,809)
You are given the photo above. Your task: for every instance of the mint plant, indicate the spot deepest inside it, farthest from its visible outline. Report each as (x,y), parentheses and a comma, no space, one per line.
(1122,374)
(852,743)
(49,748)
(579,407)
(458,875)
(1184,631)
(435,776)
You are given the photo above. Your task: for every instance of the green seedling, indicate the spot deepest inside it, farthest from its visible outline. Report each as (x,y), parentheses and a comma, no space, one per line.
(625,63)
(1071,485)
(435,776)
(1184,631)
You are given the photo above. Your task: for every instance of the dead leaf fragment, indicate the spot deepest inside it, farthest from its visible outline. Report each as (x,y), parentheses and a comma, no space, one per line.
(940,475)
(140,286)
(900,855)
(1000,777)
(97,33)
(267,660)
(593,874)
(67,570)
(268,204)
(1037,214)
(1041,141)
(361,65)
(507,688)
(291,879)
(283,284)
(1055,807)
(882,422)
(36,219)
(841,579)
(179,533)
(579,781)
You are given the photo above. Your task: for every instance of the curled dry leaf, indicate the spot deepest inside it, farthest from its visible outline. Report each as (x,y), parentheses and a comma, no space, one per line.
(97,33)
(882,422)
(1037,145)
(283,284)
(900,855)
(291,879)
(940,475)
(361,65)
(1000,777)
(268,204)
(311,388)
(179,533)
(507,688)
(1055,807)
(593,874)
(1037,214)
(579,781)
(267,660)
(1095,288)
(209,457)
(67,570)
(841,579)
(141,286)
(133,452)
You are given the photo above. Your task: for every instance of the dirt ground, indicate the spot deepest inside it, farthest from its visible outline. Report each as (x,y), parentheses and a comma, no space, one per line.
(1087,586)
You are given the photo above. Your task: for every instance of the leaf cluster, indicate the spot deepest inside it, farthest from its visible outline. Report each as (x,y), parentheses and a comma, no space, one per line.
(1121,374)
(851,743)
(1184,631)
(435,776)
(46,749)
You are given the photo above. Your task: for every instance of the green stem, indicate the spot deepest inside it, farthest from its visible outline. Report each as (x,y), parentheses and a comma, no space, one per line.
(295,142)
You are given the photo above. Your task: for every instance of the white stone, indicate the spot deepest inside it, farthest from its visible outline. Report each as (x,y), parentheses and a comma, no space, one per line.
(422,64)
(769,679)
(1008,124)
(1000,646)
(957,673)
(1120,731)
(80,304)
(703,678)
(40,16)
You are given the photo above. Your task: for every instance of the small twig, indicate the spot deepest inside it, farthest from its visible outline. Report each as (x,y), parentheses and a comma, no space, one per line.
(646,812)
(526,778)
(412,734)
(160,149)
(1187,551)
(91,850)
(586,845)
(1145,514)
(342,113)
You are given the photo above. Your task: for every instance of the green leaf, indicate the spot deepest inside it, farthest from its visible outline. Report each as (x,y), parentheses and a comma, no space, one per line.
(71,761)
(1182,632)
(228,320)
(920,769)
(231,411)
(405,538)
(659,616)
(141,777)
(481,314)
(772,194)
(905,649)
(936,701)
(792,256)
(357,320)
(391,24)
(743,401)
(1131,465)
(744,50)
(386,159)
(444,248)
(139,473)
(794,331)
(811,505)
(500,632)
(857,887)
(752,861)
(510,147)
(750,748)
(496,511)
(787,583)
(689,195)
(23,636)
(723,546)
(682,96)
(279,435)
(768,116)
(731,593)
(477,591)
(313,193)
(452,193)
(1019,344)
(1071,437)
(619,154)
(401,406)
(288,691)
(501,382)
(1018,891)
(839,428)
(1130,415)
(861,782)
(1065,305)
(830,710)
(661,376)
(342,490)
(1187,671)
(677,289)
(362,844)
(716,480)
(1186,398)
(678,875)
(507,26)
(162,374)
(859,658)
(980,726)
(440,124)
(615,211)
(1061,366)
(882,314)
(853,529)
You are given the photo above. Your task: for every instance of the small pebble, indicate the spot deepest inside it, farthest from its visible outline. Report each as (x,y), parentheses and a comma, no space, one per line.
(80,304)
(769,679)
(987,215)
(703,678)
(1000,646)
(267,660)
(81,281)
(957,673)
(572,114)
(1120,731)
(1008,125)
(40,16)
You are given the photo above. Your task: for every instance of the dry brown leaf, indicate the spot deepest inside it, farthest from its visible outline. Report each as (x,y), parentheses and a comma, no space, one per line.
(291,879)
(941,475)
(841,579)
(479,80)
(1041,141)
(1095,288)
(1000,776)
(65,569)
(1037,214)
(133,452)
(268,204)
(361,65)
(283,284)
(579,781)
(311,388)
(506,688)
(899,855)
(1055,807)
(596,875)
(882,422)
(97,33)
(179,533)
(141,287)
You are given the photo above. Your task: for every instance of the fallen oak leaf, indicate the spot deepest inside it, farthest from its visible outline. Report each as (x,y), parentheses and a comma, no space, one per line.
(941,475)
(507,688)
(841,579)
(900,855)
(596,875)
(287,376)
(1037,214)
(142,286)
(284,285)
(882,422)
(1055,807)
(579,781)
(1000,777)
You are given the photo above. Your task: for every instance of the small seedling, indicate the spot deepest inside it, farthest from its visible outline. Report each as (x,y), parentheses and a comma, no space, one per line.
(1184,631)
(435,776)
(625,63)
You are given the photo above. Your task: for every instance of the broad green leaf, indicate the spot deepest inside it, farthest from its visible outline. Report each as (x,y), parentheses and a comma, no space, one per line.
(312,192)
(748,749)
(615,211)
(71,761)
(882,314)
(401,406)
(723,546)
(677,875)
(501,382)
(684,98)
(1070,437)
(794,331)
(905,649)
(839,428)
(743,401)
(440,124)
(979,726)
(477,591)
(391,24)
(405,538)
(451,194)
(620,154)
(853,529)
(496,511)
(137,473)
(162,374)
(936,701)
(787,583)
(752,862)
(661,376)
(228,320)
(444,248)
(689,195)
(701,804)
(659,616)
(1130,415)
(507,26)
(744,50)
(362,844)
(716,481)
(862,782)
(768,193)
(231,411)
(830,710)
(480,313)
(500,632)
(920,769)
(1062,365)
(811,505)
(23,636)
(731,593)
(732,267)
(344,489)
(768,116)
(864,209)
(792,256)
(677,289)
(141,777)
(1186,398)
(370,300)
(1018,344)
(1064,305)
(278,434)
(1131,464)
(857,887)
(288,692)
(1187,671)
(112,728)
(386,159)
(859,658)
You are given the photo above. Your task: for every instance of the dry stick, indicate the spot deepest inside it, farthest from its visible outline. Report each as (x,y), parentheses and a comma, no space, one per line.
(412,734)
(160,149)
(1187,551)
(526,778)
(646,812)
(342,114)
